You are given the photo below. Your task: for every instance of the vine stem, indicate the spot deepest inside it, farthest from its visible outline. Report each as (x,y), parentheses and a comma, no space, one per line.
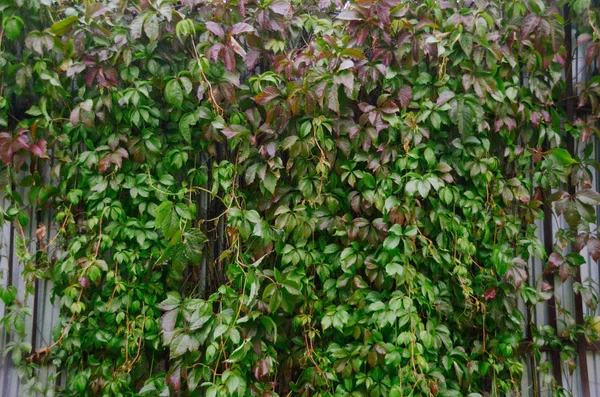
(211,96)
(46,350)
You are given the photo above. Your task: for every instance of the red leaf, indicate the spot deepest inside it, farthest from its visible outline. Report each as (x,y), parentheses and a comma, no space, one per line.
(584,38)
(39,149)
(530,22)
(103,164)
(332,99)
(168,320)
(444,97)
(19,159)
(20,142)
(233,131)
(237,48)
(510,123)
(241,27)
(229,59)
(281,7)
(110,75)
(564,272)
(116,159)
(580,242)
(389,107)
(590,54)
(174,378)
(123,153)
(5,152)
(89,61)
(84,282)
(348,15)
(215,28)
(490,294)
(405,95)
(268,94)
(90,75)
(594,248)
(75,116)
(261,368)
(252,57)
(555,260)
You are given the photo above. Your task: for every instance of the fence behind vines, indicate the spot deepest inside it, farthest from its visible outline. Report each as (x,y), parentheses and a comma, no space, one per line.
(581,378)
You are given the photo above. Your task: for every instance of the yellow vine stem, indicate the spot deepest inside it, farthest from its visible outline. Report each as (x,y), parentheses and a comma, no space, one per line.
(211,96)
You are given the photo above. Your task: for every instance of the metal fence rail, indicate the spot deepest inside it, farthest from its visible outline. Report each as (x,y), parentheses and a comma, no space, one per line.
(44,316)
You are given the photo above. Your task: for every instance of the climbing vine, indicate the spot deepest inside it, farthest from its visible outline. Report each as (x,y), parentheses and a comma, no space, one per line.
(277,197)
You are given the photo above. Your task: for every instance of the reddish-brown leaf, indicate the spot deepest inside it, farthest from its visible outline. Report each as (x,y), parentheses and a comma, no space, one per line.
(594,248)
(555,260)
(268,94)
(174,378)
(405,95)
(349,15)
(215,28)
(261,368)
(241,27)
(490,294)
(90,75)
(281,7)
(103,164)
(38,149)
(229,58)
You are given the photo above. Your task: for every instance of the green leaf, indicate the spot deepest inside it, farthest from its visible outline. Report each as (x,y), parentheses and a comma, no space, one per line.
(394,269)
(185,123)
(63,26)
(391,242)
(411,231)
(151,27)
(238,354)
(8,295)
(136,26)
(270,182)
(588,196)
(562,156)
(580,6)
(183,343)
(462,114)
(466,43)
(173,301)
(174,93)
(13,27)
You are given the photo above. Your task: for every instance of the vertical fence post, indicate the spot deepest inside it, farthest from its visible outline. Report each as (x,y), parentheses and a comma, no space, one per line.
(570,110)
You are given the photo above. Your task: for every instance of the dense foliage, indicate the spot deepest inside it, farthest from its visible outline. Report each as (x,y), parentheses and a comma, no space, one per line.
(277,197)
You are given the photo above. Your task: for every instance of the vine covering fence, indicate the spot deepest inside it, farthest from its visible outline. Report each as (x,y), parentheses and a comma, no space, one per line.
(286,197)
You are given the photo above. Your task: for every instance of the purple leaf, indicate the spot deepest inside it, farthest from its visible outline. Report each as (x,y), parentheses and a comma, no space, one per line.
(348,15)
(444,97)
(215,28)
(281,7)
(404,96)
(241,27)
(39,149)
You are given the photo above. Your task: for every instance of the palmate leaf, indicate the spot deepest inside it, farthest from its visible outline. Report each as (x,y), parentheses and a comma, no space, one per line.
(353,165)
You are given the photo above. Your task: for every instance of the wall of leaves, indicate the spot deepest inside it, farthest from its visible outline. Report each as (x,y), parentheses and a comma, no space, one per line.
(375,171)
